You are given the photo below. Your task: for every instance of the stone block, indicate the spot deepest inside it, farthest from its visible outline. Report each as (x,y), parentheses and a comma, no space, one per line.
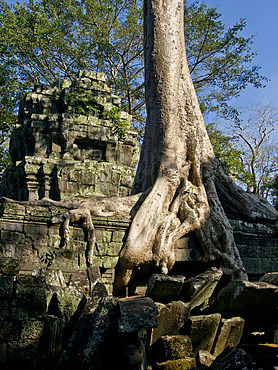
(199,289)
(65,302)
(106,236)
(4,310)
(101,248)
(93,339)
(15,226)
(231,356)
(164,288)
(85,279)
(53,337)
(78,234)
(254,302)
(51,276)
(118,236)
(171,347)
(204,359)
(31,298)
(99,233)
(9,331)
(114,249)
(3,353)
(171,317)
(270,278)
(14,209)
(8,236)
(137,314)
(109,262)
(37,233)
(97,292)
(183,363)
(6,287)
(31,329)
(202,331)
(9,266)
(230,333)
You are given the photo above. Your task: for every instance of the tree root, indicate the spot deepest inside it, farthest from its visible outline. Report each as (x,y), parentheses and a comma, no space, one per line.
(74,215)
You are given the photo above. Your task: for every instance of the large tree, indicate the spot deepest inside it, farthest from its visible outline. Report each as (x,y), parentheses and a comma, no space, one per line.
(253,134)
(179,185)
(48,39)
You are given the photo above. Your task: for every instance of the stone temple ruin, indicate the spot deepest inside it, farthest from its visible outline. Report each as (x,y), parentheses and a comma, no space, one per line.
(66,145)
(73,141)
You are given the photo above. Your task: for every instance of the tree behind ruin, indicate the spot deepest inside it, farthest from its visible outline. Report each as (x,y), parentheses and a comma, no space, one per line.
(185,184)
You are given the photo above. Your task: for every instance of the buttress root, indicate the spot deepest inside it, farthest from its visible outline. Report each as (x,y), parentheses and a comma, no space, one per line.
(74,215)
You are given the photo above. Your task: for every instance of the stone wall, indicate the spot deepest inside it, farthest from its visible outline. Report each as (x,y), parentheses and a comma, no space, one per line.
(25,329)
(72,141)
(258,247)
(28,236)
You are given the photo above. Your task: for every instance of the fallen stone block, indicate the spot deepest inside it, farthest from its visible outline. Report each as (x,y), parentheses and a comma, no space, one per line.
(234,359)
(84,280)
(254,302)
(265,355)
(199,289)
(164,288)
(171,317)
(171,347)
(183,363)
(202,331)
(31,298)
(98,292)
(270,278)
(93,340)
(204,359)
(65,302)
(229,335)
(136,314)
(52,277)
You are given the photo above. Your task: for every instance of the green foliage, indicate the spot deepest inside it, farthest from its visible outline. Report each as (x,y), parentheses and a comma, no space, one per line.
(8,118)
(274,191)
(120,125)
(228,155)
(43,40)
(50,257)
(88,105)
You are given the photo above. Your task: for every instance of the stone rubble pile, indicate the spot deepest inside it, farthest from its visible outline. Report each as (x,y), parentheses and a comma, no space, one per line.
(50,323)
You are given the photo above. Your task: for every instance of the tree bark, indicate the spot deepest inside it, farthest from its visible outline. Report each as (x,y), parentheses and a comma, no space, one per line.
(179,185)
(177,161)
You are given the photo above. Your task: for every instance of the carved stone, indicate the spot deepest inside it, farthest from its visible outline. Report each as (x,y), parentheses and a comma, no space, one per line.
(66,144)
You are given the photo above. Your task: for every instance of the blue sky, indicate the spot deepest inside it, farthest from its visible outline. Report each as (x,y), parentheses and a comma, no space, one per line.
(262,22)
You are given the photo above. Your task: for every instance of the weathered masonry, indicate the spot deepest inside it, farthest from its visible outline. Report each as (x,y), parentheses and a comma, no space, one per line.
(68,145)
(72,141)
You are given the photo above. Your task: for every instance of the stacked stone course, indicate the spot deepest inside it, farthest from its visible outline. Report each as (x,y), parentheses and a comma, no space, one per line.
(66,144)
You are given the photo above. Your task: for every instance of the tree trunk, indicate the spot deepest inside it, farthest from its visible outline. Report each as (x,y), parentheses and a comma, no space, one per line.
(179,185)
(177,161)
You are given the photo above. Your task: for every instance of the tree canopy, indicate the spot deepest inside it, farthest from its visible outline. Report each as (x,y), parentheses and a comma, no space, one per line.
(49,39)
